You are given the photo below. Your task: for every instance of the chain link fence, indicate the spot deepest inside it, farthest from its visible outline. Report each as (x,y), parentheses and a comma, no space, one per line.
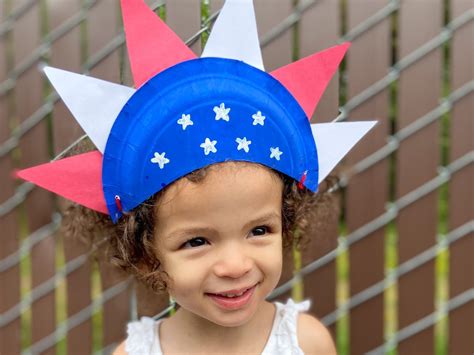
(357,22)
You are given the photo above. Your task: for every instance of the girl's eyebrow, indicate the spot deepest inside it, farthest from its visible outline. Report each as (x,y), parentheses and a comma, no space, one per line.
(264,218)
(273,215)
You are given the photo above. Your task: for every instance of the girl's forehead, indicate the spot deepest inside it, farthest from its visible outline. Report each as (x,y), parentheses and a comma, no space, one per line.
(225,187)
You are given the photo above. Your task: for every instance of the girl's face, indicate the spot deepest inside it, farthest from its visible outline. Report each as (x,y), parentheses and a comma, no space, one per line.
(220,241)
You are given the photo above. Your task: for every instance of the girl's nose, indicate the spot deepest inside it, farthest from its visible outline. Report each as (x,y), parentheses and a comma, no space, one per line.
(233,263)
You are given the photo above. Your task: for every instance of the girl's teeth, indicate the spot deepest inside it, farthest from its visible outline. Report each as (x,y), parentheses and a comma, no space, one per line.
(234,295)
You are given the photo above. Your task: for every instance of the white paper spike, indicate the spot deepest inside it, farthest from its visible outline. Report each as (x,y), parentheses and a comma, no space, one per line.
(94,103)
(235,34)
(335,140)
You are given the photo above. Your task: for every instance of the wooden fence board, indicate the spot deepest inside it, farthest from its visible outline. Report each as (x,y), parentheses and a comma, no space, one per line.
(34,150)
(461,320)
(117,309)
(278,52)
(10,334)
(316,35)
(78,290)
(66,54)
(103,18)
(103,24)
(367,193)
(417,162)
(461,190)
(184,17)
(126,77)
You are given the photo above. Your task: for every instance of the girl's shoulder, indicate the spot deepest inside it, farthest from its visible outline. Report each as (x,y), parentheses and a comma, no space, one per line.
(140,337)
(313,336)
(297,332)
(120,350)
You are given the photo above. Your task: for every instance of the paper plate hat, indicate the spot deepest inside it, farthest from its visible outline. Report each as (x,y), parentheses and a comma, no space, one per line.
(188,112)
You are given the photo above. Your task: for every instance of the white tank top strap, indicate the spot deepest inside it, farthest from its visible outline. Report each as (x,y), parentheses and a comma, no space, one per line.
(156,347)
(141,337)
(284,337)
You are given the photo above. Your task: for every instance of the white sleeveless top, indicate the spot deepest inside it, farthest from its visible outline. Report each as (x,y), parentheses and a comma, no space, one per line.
(143,335)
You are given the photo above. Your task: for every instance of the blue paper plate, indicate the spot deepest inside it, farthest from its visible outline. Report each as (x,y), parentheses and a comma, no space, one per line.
(151,145)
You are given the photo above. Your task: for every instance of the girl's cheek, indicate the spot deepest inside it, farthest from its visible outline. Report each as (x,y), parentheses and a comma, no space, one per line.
(182,269)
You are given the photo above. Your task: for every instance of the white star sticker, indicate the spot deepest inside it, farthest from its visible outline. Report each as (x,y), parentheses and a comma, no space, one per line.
(160,159)
(243,144)
(275,153)
(222,112)
(185,121)
(209,146)
(258,119)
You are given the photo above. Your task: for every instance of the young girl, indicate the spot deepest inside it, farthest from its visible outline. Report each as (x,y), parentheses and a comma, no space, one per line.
(205,172)
(215,242)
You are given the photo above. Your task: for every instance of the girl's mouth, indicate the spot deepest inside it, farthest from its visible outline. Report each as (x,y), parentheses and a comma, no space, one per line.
(232,300)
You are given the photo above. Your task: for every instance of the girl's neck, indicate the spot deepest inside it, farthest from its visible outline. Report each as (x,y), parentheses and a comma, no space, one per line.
(195,332)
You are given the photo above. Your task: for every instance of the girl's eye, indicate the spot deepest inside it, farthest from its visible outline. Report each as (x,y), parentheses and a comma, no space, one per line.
(194,243)
(260,230)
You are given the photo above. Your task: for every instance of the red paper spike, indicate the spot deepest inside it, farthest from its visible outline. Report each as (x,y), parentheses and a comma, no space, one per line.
(78,178)
(152,45)
(307,78)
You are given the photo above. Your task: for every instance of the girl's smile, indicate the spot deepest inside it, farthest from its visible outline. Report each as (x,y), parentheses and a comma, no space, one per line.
(220,242)
(233,299)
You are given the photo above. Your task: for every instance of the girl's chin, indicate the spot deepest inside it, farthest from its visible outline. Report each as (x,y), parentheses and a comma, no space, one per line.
(212,313)
(234,319)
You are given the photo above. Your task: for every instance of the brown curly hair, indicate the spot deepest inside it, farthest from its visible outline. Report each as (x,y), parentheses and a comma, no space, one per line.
(129,244)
